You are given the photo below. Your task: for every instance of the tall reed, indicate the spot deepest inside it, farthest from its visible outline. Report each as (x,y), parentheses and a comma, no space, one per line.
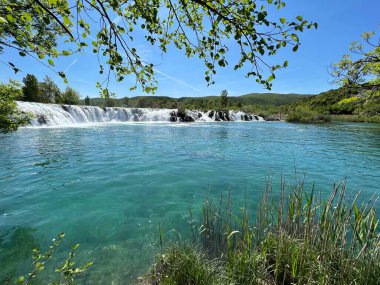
(297,236)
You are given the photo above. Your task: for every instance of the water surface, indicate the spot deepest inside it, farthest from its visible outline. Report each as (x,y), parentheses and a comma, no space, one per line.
(109,186)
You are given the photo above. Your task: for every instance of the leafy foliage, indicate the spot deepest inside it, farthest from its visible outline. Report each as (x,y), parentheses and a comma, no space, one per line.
(359,92)
(68,272)
(33,29)
(364,72)
(49,91)
(223,98)
(46,91)
(206,29)
(360,78)
(70,96)
(305,115)
(30,89)
(10,116)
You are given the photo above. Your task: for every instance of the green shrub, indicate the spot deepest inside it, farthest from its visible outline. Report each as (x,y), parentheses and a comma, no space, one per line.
(306,115)
(10,116)
(186,265)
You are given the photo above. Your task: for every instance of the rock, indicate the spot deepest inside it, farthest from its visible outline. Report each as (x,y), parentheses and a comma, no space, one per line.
(181,114)
(66,108)
(188,119)
(42,120)
(173,119)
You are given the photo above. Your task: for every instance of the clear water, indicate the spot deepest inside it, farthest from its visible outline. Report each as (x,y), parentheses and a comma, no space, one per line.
(109,186)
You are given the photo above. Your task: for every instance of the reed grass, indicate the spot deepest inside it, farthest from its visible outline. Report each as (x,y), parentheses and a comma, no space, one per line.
(295,236)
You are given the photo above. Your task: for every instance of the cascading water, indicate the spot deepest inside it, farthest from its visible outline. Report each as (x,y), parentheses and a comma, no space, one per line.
(56,115)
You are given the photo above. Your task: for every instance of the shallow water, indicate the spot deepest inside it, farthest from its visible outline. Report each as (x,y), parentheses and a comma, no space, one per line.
(109,186)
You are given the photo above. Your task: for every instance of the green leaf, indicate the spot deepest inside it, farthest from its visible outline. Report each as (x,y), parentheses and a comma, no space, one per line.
(51,62)
(283,21)
(299,18)
(10,18)
(2,20)
(294,37)
(66,21)
(27,16)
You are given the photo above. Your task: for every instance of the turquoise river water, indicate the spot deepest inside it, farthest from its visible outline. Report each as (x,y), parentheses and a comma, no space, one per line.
(109,186)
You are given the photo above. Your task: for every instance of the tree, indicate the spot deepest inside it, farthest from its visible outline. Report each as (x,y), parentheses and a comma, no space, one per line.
(206,29)
(10,116)
(49,91)
(223,98)
(87,101)
(70,96)
(364,72)
(360,77)
(30,89)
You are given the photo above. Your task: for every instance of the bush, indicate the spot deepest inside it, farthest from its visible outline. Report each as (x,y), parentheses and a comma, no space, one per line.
(306,115)
(10,116)
(70,96)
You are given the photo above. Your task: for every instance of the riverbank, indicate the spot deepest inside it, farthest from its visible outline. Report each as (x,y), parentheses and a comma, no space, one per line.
(355,118)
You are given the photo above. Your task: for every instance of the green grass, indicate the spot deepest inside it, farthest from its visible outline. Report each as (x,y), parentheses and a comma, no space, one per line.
(293,237)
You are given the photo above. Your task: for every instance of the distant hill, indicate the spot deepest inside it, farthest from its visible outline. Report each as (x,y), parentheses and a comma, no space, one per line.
(265,100)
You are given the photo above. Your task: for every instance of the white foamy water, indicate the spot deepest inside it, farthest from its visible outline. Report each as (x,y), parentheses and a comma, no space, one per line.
(60,115)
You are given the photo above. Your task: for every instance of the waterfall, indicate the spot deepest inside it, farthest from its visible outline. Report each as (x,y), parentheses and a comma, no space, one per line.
(58,115)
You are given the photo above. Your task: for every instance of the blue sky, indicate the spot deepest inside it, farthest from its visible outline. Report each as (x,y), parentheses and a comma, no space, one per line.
(340,22)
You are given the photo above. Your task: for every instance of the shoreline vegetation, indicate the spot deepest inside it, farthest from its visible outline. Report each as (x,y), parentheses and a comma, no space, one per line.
(296,236)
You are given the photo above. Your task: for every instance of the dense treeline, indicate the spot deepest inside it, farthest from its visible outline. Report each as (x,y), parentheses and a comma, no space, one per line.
(30,90)
(46,91)
(261,104)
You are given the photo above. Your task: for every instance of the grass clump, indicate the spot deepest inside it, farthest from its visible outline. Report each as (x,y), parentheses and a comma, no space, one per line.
(306,115)
(294,237)
(186,264)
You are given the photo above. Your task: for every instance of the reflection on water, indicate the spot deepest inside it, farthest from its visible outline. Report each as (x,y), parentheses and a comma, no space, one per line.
(108,187)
